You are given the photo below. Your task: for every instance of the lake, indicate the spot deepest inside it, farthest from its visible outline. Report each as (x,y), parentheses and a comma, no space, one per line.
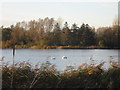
(54,56)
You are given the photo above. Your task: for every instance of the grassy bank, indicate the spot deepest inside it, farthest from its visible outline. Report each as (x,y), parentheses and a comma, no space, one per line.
(47,76)
(60,47)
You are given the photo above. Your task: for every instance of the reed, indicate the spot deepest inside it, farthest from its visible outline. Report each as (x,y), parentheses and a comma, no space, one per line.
(85,76)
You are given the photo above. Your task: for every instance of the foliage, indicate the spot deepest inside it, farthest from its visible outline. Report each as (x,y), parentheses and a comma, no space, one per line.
(47,76)
(48,32)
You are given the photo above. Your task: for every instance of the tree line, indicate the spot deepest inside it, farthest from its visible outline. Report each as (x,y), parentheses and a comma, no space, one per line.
(49,32)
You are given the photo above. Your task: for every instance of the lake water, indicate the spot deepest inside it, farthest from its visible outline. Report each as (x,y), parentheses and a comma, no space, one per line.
(74,56)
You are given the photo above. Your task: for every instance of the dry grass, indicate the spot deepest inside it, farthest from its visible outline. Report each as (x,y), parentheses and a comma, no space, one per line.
(86,76)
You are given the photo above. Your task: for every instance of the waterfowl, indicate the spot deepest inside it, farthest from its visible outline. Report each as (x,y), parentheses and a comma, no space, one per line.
(64,57)
(48,63)
(53,58)
(91,58)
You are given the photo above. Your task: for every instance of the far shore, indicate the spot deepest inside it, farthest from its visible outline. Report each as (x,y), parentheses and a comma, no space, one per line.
(61,47)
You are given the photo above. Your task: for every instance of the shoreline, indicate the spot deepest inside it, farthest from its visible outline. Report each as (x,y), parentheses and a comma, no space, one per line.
(62,48)
(58,47)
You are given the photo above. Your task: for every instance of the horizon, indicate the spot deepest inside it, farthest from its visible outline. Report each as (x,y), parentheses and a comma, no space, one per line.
(96,14)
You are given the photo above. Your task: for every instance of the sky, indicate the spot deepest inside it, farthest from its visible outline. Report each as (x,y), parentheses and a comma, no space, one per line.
(94,13)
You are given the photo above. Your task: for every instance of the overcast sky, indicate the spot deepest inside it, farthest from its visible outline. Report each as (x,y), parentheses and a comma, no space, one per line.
(94,13)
